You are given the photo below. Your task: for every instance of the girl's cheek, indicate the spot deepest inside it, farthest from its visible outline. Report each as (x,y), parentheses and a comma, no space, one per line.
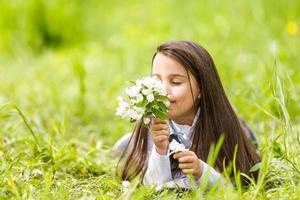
(174,94)
(179,91)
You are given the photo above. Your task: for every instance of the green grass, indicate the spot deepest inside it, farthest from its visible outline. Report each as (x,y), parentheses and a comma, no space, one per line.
(62,65)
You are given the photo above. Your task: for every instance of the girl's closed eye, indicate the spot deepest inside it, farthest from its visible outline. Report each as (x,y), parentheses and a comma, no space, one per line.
(176,82)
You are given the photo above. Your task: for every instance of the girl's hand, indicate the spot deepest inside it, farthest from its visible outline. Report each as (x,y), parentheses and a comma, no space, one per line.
(160,135)
(189,163)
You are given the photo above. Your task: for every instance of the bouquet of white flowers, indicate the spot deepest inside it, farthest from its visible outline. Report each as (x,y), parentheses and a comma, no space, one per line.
(146,98)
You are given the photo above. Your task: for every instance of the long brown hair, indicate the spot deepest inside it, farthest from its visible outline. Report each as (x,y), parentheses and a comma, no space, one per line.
(216,117)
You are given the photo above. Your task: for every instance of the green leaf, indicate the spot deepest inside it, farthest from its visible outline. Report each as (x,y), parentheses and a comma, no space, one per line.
(163,98)
(255,167)
(277,150)
(162,106)
(159,114)
(148,113)
(156,107)
(141,104)
(149,105)
(132,120)
(132,82)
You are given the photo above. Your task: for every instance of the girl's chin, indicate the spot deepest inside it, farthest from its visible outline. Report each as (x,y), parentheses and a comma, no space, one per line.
(170,114)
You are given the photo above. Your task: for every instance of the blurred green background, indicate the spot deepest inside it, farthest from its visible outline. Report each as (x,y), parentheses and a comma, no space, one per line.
(67,61)
(63,64)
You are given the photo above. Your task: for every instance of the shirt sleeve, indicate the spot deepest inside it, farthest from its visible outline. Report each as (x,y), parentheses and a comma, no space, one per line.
(159,169)
(210,174)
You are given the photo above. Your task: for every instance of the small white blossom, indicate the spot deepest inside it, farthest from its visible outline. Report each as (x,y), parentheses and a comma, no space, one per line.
(99,144)
(145,91)
(31,188)
(26,174)
(167,103)
(150,97)
(133,114)
(126,186)
(139,98)
(148,82)
(123,108)
(139,83)
(133,91)
(140,110)
(176,147)
(146,120)
(37,173)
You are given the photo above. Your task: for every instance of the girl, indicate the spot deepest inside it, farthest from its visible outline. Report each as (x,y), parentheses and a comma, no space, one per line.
(199,114)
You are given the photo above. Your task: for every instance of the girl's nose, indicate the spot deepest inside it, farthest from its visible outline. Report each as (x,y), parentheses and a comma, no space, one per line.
(167,88)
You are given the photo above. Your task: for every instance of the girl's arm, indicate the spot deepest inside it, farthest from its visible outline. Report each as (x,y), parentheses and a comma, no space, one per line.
(159,170)
(209,173)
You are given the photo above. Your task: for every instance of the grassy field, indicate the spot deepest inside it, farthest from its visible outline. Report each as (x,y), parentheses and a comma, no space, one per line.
(63,63)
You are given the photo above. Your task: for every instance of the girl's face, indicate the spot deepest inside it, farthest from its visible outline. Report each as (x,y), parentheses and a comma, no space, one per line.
(175,78)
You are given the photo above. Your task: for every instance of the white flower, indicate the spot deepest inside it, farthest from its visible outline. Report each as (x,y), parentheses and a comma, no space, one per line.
(176,147)
(126,186)
(162,91)
(132,114)
(167,103)
(158,86)
(147,82)
(139,110)
(99,144)
(37,173)
(26,174)
(145,91)
(139,98)
(139,83)
(146,120)
(133,91)
(123,108)
(31,188)
(150,97)
(155,80)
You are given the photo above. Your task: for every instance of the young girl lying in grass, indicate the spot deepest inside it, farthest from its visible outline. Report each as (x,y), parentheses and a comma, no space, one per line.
(199,113)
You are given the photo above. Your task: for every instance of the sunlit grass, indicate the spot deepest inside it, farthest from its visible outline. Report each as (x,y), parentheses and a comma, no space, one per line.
(63,64)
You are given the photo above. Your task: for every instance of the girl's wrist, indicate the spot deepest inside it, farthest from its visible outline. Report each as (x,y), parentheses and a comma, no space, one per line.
(161,151)
(199,174)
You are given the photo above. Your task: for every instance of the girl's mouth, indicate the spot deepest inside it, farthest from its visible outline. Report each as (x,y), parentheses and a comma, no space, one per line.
(172,103)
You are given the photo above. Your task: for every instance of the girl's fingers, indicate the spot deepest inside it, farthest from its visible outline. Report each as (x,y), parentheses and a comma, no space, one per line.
(161,138)
(157,120)
(183,153)
(189,163)
(158,133)
(188,171)
(186,165)
(157,127)
(186,159)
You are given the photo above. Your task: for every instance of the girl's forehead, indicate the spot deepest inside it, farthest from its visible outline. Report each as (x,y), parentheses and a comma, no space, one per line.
(164,65)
